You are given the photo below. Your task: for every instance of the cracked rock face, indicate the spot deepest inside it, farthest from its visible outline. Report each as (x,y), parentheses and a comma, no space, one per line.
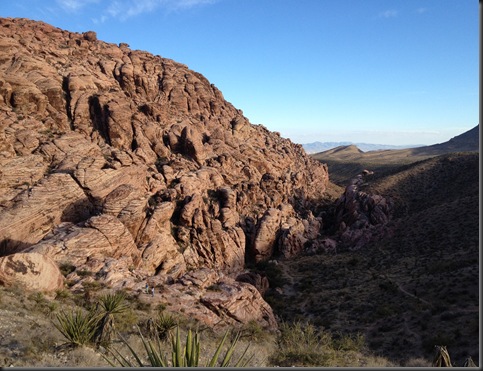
(133,166)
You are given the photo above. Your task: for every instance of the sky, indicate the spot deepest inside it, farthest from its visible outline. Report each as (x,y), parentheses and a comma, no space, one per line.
(398,72)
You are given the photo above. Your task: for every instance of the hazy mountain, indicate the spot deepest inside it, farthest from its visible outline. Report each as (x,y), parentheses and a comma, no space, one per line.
(316,147)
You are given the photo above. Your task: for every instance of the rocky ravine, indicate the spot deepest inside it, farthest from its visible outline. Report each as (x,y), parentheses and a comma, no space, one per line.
(132,167)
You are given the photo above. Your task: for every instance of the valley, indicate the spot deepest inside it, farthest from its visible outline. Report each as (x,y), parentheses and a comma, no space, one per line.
(408,290)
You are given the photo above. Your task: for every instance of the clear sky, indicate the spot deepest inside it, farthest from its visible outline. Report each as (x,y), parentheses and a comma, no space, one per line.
(375,71)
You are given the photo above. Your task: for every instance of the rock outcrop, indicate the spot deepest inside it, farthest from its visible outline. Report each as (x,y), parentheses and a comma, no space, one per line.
(32,271)
(132,166)
(359,216)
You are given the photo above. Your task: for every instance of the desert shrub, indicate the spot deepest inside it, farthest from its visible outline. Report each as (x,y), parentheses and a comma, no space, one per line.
(62,294)
(214,287)
(37,297)
(274,273)
(254,332)
(275,300)
(164,324)
(300,344)
(127,320)
(143,306)
(66,268)
(349,342)
(42,304)
(417,362)
(93,285)
(84,273)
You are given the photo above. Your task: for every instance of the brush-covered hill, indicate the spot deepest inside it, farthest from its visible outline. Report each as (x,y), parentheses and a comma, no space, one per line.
(121,167)
(346,161)
(405,283)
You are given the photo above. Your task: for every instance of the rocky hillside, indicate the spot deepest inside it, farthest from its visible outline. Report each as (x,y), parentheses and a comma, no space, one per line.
(121,167)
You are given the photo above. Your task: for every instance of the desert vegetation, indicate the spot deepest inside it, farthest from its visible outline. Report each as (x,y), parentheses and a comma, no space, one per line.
(66,328)
(66,331)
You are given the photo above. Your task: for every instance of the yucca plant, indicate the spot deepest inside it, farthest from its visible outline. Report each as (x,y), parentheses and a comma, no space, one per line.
(78,327)
(109,305)
(164,324)
(153,352)
(187,355)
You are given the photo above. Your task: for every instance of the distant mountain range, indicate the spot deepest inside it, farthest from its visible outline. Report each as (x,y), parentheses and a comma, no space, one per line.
(347,160)
(316,147)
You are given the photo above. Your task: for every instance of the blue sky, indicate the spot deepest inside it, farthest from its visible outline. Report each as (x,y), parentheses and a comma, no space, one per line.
(375,71)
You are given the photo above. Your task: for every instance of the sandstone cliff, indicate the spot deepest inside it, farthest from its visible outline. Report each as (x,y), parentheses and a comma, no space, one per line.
(133,167)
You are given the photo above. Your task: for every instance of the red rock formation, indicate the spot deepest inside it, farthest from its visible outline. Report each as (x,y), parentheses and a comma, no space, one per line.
(112,158)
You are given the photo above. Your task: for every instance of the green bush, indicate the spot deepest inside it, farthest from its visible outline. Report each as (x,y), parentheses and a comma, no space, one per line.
(254,332)
(298,345)
(349,342)
(66,268)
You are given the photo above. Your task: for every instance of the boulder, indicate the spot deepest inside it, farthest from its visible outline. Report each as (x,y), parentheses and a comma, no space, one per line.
(35,272)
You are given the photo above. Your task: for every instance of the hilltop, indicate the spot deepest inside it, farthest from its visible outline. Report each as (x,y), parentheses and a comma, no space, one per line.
(346,161)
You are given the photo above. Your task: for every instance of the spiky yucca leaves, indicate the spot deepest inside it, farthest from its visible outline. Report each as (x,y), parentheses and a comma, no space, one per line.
(78,327)
(164,324)
(242,361)
(109,305)
(187,355)
(113,303)
(153,351)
